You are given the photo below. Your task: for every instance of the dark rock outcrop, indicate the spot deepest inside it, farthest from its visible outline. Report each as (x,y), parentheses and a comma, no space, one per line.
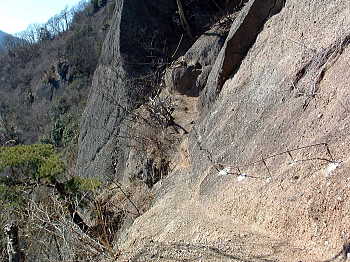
(188,75)
(152,172)
(54,80)
(101,117)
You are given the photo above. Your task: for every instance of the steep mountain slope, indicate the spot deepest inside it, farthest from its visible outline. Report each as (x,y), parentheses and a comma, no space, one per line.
(263,173)
(221,129)
(280,103)
(3,36)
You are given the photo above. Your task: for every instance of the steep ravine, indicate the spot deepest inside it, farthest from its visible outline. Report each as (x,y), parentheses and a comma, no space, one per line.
(292,204)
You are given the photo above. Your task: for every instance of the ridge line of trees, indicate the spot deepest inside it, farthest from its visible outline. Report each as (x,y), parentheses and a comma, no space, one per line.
(56,25)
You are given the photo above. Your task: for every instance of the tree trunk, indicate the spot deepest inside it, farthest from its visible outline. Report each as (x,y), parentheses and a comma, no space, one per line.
(13,249)
(183,19)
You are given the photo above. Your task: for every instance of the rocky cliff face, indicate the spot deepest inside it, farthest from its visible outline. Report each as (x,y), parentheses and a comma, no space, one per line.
(113,88)
(135,51)
(263,173)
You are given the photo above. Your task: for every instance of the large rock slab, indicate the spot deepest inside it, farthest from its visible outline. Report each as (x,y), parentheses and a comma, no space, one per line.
(291,210)
(242,36)
(100,119)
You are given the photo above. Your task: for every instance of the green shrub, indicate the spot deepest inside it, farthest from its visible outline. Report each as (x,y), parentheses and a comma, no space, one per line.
(34,161)
(77,184)
(10,197)
(32,166)
(57,132)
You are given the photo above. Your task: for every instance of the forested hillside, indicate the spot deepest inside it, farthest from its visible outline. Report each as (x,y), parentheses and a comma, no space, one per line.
(45,75)
(4,39)
(48,72)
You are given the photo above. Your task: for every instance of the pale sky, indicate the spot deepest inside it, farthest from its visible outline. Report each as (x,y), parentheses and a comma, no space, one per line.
(16,15)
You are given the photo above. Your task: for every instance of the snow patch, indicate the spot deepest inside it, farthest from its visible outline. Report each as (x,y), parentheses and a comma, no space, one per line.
(241,177)
(227,171)
(292,163)
(224,172)
(331,167)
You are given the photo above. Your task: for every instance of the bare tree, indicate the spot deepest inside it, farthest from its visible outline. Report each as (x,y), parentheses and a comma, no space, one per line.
(66,18)
(161,111)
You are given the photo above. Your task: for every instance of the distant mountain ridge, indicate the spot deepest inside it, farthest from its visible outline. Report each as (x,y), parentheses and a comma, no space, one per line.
(3,36)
